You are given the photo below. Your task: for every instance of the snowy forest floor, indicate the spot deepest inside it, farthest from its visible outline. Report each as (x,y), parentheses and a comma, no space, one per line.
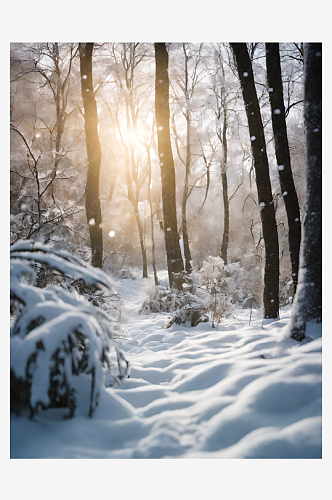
(235,391)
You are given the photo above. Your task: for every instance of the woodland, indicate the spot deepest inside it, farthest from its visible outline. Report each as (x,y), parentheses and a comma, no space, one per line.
(162,194)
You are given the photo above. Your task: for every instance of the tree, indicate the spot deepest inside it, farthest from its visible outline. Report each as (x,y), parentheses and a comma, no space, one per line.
(283,156)
(152,213)
(188,79)
(220,94)
(42,117)
(92,201)
(173,251)
(307,305)
(267,212)
(132,54)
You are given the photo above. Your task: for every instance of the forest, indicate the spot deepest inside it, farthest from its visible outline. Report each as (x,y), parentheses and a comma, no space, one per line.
(165,250)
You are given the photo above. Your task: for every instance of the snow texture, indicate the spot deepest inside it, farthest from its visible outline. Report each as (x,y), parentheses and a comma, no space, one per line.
(56,334)
(235,391)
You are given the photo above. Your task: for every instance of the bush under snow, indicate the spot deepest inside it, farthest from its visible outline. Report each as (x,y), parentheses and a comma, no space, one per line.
(63,348)
(203,298)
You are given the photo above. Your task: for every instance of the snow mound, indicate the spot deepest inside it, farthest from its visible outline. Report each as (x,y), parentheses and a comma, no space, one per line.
(235,391)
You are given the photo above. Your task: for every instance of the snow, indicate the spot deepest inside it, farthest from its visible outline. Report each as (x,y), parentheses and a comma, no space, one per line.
(234,391)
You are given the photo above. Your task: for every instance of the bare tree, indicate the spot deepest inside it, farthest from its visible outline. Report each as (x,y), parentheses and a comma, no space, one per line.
(173,251)
(152,212)
(307,305)
(92,201)
(283,156)
(267,212)
(127,57)
(220,93)
(188,78)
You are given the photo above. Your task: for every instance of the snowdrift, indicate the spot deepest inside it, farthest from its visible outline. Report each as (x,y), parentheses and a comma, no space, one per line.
(235,391)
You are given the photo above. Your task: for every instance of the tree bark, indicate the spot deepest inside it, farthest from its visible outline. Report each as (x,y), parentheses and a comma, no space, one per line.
(92,201)
(225,237)
(307,305)
(173,251)
(283,157)
(267,212)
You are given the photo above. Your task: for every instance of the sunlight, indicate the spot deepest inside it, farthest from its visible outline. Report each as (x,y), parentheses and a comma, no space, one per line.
(132,137)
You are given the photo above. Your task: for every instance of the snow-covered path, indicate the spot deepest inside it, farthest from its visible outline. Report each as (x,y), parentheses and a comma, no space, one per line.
(236,391)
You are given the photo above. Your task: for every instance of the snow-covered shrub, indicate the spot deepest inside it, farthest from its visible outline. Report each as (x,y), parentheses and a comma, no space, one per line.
(163,299)
(183,306)
(202,299)
(212,282)
(232,281)
(125,274)
(106,299)
(61,344)
(211,274)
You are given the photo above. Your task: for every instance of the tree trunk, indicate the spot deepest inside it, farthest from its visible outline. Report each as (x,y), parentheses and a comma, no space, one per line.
(173,251)
(155,275)
(133,198)
(283,157)
(225,237)
(59,114)
(267,213)
(92,201)
(307,305)
(186,249)
(141,240)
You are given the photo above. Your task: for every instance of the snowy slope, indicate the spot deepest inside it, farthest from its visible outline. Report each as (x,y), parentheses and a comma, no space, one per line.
(236,391)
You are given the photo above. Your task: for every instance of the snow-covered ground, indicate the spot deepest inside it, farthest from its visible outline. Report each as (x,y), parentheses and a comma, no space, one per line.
(235,391)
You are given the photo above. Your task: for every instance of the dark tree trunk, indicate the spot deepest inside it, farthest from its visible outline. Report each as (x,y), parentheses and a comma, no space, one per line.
(283,157)
(307,305)
(225,237)
(92,201)
(267,213)
(173,251)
